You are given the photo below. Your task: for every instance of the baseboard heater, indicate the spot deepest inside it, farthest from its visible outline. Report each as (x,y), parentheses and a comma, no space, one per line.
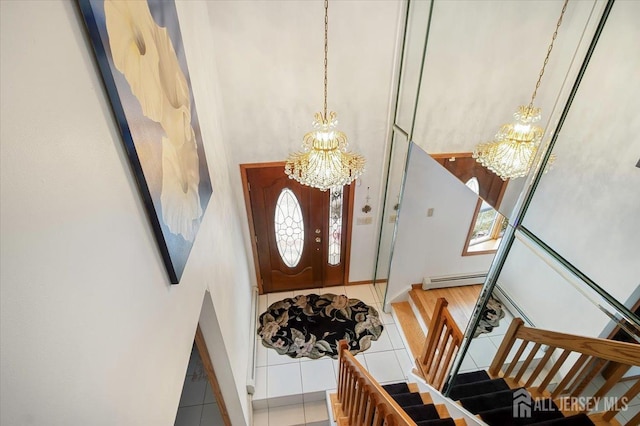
(251,370)
(453,280)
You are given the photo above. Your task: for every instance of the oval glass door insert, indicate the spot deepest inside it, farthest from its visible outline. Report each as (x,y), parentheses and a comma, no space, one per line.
(289,227)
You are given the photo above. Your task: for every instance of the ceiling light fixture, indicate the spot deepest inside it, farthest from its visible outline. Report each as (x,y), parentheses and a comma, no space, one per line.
(325,162)
(510,155)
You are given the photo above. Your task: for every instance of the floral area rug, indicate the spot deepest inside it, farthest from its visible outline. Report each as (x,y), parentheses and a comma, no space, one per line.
(490,317)
(311,325)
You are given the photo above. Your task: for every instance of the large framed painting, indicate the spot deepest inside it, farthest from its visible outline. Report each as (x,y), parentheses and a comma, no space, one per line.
(140,54)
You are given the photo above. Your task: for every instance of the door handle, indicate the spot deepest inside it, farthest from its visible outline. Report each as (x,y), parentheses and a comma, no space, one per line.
(318,239)
(318,231)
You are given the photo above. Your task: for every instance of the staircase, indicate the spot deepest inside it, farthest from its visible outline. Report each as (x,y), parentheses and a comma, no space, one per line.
(492,400)
(529,389)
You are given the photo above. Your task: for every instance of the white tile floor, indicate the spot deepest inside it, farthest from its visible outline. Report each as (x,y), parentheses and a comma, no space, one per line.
(197,405)
(300,399)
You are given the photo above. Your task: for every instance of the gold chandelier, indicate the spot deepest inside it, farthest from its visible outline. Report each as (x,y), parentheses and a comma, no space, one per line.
(510,155)
(325,162)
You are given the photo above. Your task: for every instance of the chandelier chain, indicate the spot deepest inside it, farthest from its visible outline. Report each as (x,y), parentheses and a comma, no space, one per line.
(546,59)
(326,52)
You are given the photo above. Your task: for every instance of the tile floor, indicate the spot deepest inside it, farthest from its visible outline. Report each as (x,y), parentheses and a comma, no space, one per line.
(301,398)
(197,405)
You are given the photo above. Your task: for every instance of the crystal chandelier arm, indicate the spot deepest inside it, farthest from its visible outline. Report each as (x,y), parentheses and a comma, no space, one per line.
(546,59)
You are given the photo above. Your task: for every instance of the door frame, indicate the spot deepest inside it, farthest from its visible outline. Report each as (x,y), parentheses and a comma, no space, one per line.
(252,231)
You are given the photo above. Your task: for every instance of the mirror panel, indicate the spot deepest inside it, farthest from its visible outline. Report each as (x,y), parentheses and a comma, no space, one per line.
(536,287)
(413,50)
(488,76)
(397,163)
(594,184)
(433,225)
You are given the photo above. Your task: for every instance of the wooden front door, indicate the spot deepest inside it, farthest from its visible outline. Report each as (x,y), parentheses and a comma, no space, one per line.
(299,232)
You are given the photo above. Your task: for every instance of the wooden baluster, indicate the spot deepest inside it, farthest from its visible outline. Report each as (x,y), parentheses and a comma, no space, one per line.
(618,372)
(359,395)
(540,366)
(629,395)
(590,371)
(527,362)
(362,401)
(554,370)
(505,347)
(342,346)
(369,410)
(445,361)
(433,337)
(436,359)
(515,359)
(570,375)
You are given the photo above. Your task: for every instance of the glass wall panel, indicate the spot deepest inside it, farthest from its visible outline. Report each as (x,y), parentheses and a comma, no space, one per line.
(413,49)
(587,206)
(397,163)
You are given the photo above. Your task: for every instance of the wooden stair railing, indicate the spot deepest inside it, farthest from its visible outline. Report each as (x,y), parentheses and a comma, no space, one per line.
(592,352)
(361,400)
(441,346)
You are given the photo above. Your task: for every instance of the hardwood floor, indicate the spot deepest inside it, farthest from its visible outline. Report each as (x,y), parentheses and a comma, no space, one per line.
(462,301)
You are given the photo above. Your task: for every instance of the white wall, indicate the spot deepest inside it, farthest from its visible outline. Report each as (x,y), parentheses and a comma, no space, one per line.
(270,61)
(432,246)
(92,331)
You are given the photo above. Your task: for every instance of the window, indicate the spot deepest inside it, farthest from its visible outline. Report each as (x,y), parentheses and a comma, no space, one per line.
(487,226)
(335,226)
(289,227)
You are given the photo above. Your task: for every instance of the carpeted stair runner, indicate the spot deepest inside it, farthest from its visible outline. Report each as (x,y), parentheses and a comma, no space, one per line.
(411,402)
(478,388)
(504,416)
(439,422)
(492,400)
(576,420)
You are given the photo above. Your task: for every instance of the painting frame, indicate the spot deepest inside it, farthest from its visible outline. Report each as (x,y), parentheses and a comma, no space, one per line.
(156,116)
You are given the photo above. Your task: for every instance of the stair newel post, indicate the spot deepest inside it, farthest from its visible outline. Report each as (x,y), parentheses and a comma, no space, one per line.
(506,345)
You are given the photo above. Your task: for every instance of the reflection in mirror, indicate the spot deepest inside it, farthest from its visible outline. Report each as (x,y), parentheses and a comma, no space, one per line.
(592,189)
(540,354)
(412,61)
(395,175)
(437,211)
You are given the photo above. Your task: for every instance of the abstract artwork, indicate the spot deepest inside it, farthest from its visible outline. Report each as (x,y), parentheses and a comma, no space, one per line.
(139,50)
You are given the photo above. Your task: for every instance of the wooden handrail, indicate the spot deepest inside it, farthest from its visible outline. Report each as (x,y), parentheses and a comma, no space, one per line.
(441,346)
(362,400)
(594,353)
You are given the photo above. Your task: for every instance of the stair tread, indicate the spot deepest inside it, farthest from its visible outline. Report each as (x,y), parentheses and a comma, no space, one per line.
(437,422)
(472,376)
(410,327)
(407,399)
(478,403)
(478,388)
(394,388)
(504,416)
(466,378)
(422,412)
(576,420)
